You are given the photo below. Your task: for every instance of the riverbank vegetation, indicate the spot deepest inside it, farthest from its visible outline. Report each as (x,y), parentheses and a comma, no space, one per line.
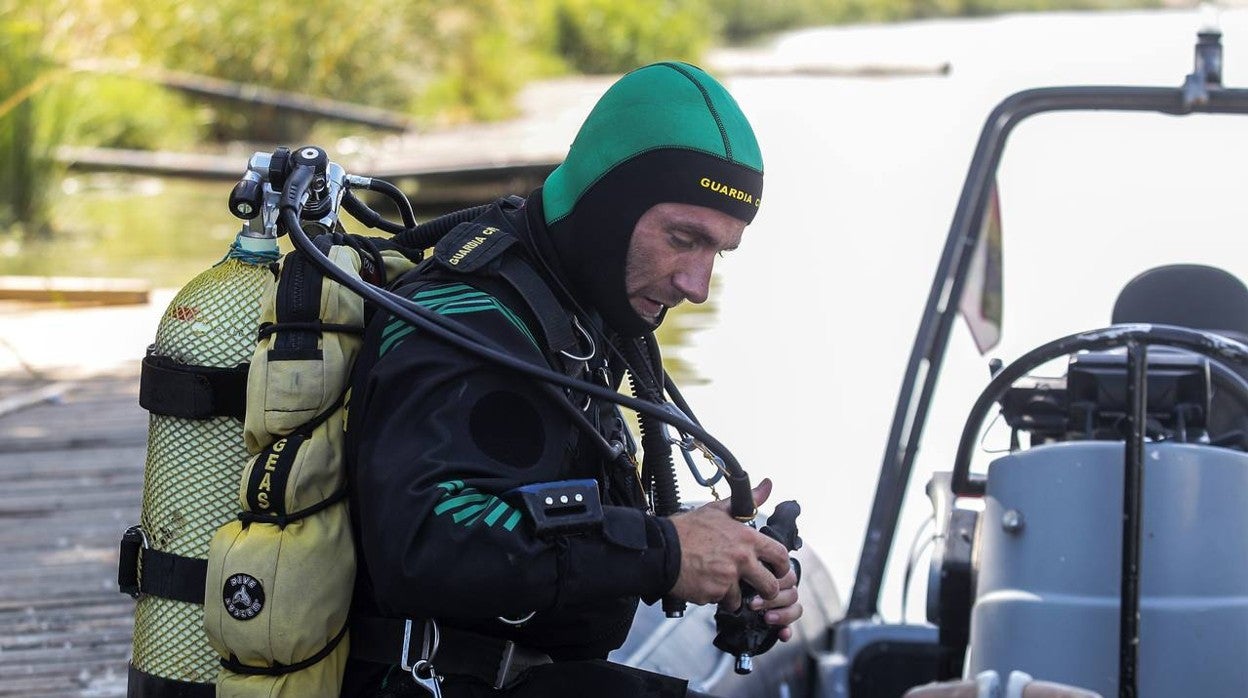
(80,72)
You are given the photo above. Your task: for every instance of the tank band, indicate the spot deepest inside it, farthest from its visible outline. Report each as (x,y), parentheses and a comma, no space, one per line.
(165,575)
(192,392)
(144,685)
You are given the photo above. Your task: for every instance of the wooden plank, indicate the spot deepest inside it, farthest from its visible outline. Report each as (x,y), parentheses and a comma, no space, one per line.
(66,496)
(199,166)
(247,93)
(433,183)
(99,413)
(45,393)
(75,290)
(290,101)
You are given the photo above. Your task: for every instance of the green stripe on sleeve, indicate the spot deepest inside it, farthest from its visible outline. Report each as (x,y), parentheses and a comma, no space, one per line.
(462,500)
(466,512)
(496,513)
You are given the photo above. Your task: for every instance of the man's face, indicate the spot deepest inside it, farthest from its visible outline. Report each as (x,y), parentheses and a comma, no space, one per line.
(672,254)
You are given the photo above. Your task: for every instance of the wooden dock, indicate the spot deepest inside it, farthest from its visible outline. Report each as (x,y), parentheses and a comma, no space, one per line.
(71,477)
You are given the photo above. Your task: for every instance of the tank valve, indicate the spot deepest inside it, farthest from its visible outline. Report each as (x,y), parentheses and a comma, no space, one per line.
(247,197)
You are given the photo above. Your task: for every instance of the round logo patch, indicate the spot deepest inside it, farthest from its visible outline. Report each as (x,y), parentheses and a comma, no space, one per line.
(243,596)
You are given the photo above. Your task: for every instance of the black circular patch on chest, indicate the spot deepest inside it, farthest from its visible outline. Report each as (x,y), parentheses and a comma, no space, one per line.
(243,596)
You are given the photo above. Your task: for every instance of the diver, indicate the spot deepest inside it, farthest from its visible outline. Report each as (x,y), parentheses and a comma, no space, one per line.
(1199,297)
(505,529)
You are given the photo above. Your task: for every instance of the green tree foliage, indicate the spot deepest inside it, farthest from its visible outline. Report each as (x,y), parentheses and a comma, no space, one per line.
(475,56)
(114,111)
(606,36)
(26,138)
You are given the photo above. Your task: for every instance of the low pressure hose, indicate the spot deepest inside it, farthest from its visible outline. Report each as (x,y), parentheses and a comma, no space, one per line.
(392,192)
(362,213)
(428,233)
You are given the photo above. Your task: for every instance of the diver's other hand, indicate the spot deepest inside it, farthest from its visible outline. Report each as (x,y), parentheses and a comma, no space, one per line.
(783,610)
(717,552)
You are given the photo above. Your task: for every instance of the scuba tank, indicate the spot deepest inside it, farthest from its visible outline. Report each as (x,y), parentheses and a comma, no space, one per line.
(241,455)
(191,383)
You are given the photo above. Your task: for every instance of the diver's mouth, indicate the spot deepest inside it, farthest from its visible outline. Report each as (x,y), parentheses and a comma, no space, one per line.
(650,309)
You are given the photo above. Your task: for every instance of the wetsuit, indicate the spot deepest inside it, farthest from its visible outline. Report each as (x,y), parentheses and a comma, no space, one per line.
(437,438)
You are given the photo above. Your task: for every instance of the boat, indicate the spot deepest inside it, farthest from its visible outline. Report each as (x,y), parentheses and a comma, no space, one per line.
(1085,525)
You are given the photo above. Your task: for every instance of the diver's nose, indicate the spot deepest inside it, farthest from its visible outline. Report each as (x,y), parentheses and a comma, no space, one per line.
(693,280)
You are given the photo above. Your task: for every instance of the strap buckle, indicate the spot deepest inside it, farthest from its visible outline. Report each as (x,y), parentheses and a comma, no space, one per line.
(133,542)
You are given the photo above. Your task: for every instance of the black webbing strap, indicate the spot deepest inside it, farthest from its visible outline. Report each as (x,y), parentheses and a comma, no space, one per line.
(164,574)
(393,641)
(192,392)
(143,685)
(281,520)
(278,669)
(550,315)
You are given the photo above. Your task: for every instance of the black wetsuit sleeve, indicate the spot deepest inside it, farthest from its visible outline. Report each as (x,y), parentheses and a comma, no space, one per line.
(438,440)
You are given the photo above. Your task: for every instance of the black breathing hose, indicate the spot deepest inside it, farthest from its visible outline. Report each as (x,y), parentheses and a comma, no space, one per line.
(292,199)
(658,469)
(428,233)
(657,466)
(657,463)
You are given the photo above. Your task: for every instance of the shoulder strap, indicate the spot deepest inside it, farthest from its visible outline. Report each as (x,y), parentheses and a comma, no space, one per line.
(298,305)
(480,247)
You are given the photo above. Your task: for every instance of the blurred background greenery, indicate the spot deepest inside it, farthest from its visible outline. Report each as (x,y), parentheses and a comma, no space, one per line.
(87,72)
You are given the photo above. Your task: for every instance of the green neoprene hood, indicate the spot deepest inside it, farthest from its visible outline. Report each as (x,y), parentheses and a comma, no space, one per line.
(663,105)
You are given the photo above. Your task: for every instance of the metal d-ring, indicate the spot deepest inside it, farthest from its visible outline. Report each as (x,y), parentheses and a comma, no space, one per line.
(518,621)
(593,348)
(432,640)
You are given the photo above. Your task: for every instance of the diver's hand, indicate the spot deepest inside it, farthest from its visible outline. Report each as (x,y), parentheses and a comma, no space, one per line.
(783,610)
(717,552)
